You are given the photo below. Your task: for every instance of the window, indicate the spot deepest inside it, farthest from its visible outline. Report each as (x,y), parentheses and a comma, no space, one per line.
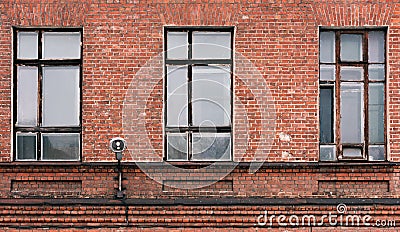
(352,94)
(198,92)
(47,96)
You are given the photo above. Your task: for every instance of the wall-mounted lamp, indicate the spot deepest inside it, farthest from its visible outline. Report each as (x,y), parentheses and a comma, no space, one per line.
(118,145)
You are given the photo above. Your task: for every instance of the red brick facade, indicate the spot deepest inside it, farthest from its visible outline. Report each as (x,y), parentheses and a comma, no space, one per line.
(278,40)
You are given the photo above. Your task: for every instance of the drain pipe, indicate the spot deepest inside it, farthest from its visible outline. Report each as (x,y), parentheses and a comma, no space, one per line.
(120,193)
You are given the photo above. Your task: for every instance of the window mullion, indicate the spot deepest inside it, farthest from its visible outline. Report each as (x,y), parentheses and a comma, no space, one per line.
(190,110)
(14,94)
(190,48)
(40,40)
(366,96)
(190,92)
(385,104)
(189,145)
(39,110)
(366,111)
(337,133)
(40,96)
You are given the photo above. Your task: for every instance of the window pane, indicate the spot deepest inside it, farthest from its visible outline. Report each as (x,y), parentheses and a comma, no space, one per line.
(211,45)
(177,45)
(26,146)
(27,96)
(376,72)
(326,114)
(327,72)
(27,45)
(210,146)
(327,153)
(376,112)
(376,153)
(211,100)
(376,46)
(351,109)
(60,146)
(327,47)
(61,96)
(351,73)
(177,146)
(351,47)
(352,153)
(177,98)
(64,45)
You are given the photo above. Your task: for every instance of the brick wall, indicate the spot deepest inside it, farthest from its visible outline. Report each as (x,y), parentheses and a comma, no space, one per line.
(276,118)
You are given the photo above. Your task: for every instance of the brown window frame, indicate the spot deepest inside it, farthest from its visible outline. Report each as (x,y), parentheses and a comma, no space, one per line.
(338,63)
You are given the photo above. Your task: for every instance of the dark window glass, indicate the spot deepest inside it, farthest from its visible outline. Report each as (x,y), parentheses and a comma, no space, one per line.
(177,146)
(208,146)
(326,114)
(26,146)
(60,146)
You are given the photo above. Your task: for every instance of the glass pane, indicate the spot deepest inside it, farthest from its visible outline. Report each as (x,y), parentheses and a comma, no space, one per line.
(177,110)
(327,72)
(376,72)
(376,46)
(211,100)
(27,45)
(27,96)
(210,146)
(351,73)
(177,98)
(326,114)
(26,146)
(327,47)
(177,45)
(177,146)
(327,153)
(351,47)
(376,153)
(376,112)
(62,45)
(352,153)
(60,146)
(61,104)
(351,109)
(211,45)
